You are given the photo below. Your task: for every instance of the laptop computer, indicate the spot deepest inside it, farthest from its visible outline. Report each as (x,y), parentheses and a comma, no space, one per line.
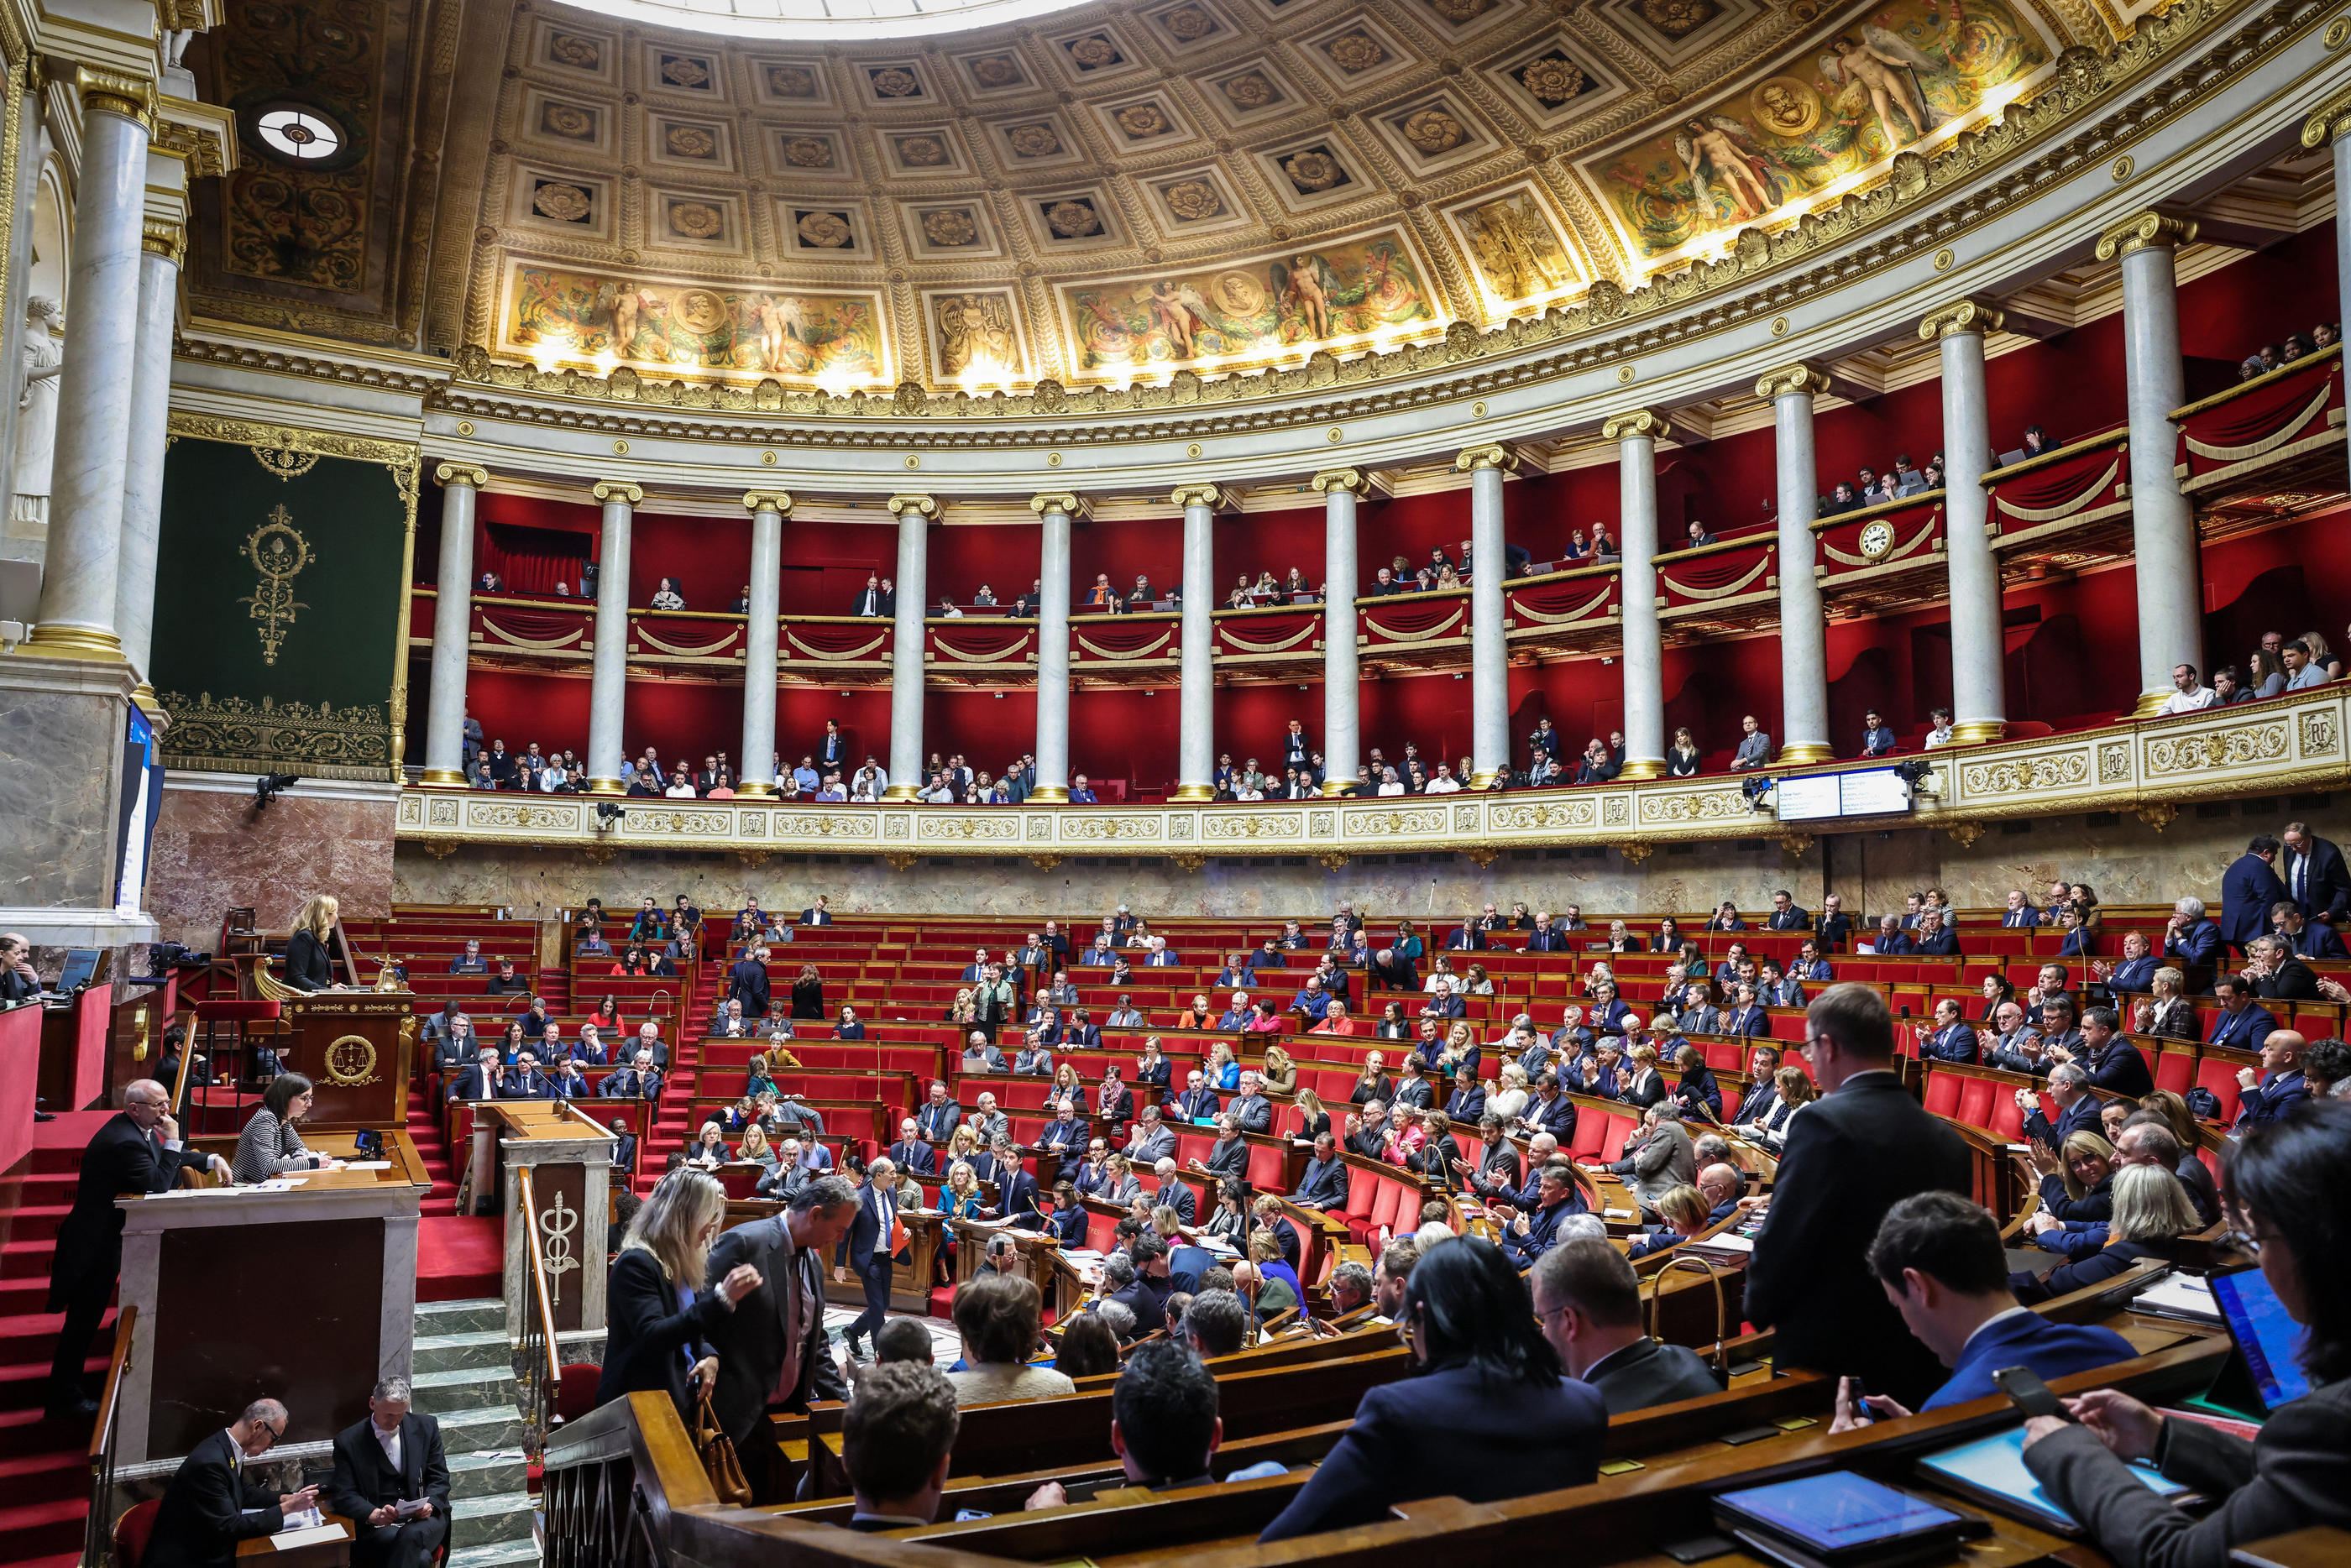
(2007,459)
(81,968)
(2263,1370)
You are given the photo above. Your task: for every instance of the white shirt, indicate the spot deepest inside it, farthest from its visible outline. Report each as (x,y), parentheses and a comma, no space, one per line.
(1941,737)
(681,790)
(1449,784)
(1396,787)
(2188,702)
(389,1443)
(2309,675)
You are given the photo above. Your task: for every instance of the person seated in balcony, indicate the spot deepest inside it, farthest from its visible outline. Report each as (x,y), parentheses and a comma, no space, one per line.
(1697,537)
(1384,584)
(1595,767)
(984,598)
(667,598)
(1843,498)
(2302,670)
(2190,694)
(2229,688)
(1876,739)
(1140,597)
(1082,791)
(1755,747)
(1938,728)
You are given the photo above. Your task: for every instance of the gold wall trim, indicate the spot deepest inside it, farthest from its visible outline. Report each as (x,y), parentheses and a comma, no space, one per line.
(2147,765)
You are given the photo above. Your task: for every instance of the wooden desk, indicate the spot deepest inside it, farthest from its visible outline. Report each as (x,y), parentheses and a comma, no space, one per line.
(305,1294)
(322,1554)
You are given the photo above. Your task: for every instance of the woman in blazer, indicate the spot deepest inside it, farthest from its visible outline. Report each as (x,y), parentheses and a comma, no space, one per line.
(1491,1415)
(1279,1073)
(657,1314)
(1118,1183)
(808,994)
(1373,1083)
(2283,1188)
(1644,1084)
(309,966)
(2151,1213)
(1681,760)
(2083,1189)
(1313,1120)
(269,1146)
(2167,1014)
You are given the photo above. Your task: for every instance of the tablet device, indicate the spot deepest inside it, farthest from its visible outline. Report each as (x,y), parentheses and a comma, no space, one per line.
(2267,1340)
(1991,1470)
(1842,1518)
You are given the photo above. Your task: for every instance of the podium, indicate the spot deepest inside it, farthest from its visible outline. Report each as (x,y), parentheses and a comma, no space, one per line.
(354,1047)
(305,1294)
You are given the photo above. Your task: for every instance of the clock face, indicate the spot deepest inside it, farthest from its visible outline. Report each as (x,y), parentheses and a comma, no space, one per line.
(1877,539)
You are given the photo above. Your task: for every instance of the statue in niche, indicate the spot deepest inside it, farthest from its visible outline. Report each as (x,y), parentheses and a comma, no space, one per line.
(37,415)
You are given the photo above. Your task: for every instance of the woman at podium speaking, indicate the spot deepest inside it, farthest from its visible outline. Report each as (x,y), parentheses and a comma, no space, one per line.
(309,963)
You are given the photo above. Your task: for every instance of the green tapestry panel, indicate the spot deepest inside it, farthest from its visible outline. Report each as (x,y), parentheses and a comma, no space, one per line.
(280,588)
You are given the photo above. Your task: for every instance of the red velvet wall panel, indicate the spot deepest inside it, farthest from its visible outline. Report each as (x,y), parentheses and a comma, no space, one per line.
(521,706)
(708,557)
(1274,542)
(2261,297)
(1143,546)
(1252,719)
(989,730)
(1002,555)
(1126,734)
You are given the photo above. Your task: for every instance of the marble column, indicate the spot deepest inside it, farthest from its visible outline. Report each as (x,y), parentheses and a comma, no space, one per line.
(1053,514)
(78,578)
(914,513)
(608,687)
(2333,125)
(1343,715)
(2163,522)
(1489,646)
(1979,643)
(1636,433)
(1803,630)
(453,624)
(1195,739)
(142,474)
(755,779)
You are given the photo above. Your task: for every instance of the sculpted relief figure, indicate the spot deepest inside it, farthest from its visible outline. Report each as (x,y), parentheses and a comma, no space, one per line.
(36,417)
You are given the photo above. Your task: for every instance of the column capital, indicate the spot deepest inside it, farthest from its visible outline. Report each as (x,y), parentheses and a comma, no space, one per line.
(1978,317)
(921,506)
(1799,379)
(133,98)
(768,501)
(1215,497)
(2143,230)
(1064,502)
(462,473)
(1493,454)
(618,490)
(163,237)
(1354,481)
(1647,424)
(2329,122)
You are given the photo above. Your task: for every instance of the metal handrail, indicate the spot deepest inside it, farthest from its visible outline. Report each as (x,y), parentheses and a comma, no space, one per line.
(98,1529)
(537,1370)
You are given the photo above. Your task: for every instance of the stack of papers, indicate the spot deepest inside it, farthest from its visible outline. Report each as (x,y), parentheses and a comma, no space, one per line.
(287,1540)
(2178,1295)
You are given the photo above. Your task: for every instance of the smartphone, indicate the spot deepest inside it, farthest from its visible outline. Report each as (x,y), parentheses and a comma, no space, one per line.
(2028,1394)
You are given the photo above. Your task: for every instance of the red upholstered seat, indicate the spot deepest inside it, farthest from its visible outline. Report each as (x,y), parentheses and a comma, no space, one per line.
(231,1010)
(1942,1098)
(575,1390)
(1730,1099)
(2007,1119)
(1266,1168)
(1388,1205)
(1975,1101)
(1724,1054)
(137,1525)
(1613,1135)
(1591,1127)
(2176,1071)
(2219,1076)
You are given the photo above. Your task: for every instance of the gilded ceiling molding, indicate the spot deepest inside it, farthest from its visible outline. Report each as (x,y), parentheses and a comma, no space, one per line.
(1493,454)
(1961,317)
(398,455)
(1636,424)
(2332,122)
(2145,230)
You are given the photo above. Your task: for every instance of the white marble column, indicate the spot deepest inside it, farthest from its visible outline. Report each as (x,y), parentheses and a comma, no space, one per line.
(453,620)
(1053,514)
(1979,643)
(1195,739)
(2332,124)
(1636,433)
(608,689)
(1343,714)
(914,513)
(2163,523)
(1804,631)
(1489,646)
(78,578)
(755,779)
(143,472)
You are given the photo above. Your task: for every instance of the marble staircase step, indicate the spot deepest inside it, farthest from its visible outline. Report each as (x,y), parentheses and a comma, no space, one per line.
(450,1352)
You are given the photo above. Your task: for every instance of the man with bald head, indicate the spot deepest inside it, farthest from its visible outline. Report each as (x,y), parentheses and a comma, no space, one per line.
(212,1504)
(2269,1093)
(136,1151)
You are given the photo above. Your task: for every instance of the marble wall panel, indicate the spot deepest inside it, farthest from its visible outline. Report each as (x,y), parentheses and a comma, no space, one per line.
(58,813)
(214,852)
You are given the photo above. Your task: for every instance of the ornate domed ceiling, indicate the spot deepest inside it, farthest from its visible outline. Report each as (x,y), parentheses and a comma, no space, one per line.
(1110,195)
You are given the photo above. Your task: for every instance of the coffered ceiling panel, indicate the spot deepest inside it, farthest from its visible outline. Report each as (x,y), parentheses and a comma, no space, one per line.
(1115,194)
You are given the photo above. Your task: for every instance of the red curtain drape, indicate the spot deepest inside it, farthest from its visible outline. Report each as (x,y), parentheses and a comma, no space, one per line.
(533,560)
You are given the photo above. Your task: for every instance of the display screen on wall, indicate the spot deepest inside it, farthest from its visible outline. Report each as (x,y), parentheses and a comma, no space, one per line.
(281,596)
(1867,791)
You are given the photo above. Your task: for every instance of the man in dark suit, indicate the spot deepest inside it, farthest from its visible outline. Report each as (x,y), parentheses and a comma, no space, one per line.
(897,1439)
(1527,1235)
(1250,1108)
(1173,1192)
(1550,1111)
(865,1248)
(2276,972)
(1588,1300)
(2243,1024)
(910,1153)
(1323,1183)
(137,1150)
(1786,916)
(1197,1102)
(939,1117)
(2265,1095)
(1950,1040)
(2077,1109)
(393,1457)
(746,983)
(1934,938)
(2020,915)
(210,1505)
(2249,888)
(772,1347)
(1546,938)
(868,601)
(817,914)
(1834,925)
(2113,1063)
(624,1147)
(1866,1145)
(2305,938)
(2314,876)
(524,1081)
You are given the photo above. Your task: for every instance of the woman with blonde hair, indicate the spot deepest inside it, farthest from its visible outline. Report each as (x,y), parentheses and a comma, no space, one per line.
(756,1147)
(1119,1185)
(1067,1084)
(656,1307)
(1313,1119)
(309,957)
(1222,1072)
(2151,1212)
(2166,1011)
(959,1198)
(1279,1072)
(1795,1091)
(2078,1185)
(1644,1084)
(1373,1083)
(1683,1209)
(963,1011)
(709,1148)
(1508,1097)
(962,1144)
(2169,1104)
